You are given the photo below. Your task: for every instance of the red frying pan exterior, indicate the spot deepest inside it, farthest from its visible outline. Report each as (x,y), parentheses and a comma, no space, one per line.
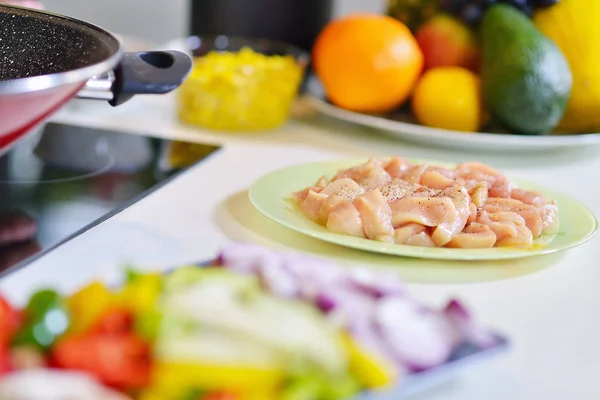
(46,59)
(21,112)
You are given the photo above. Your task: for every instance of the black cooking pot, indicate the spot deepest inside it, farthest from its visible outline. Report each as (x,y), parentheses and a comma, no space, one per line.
(297,22)
(46,59)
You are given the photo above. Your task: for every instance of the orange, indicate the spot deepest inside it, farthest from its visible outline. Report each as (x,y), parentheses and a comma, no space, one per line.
(367,62)
(449,98)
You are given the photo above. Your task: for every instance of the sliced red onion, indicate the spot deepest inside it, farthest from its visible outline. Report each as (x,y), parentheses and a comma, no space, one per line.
(325,303)
(314,268)
(376,283)
(373,305)
(467,326)
(244,258)
(276,279)
(354,305)
(421,340)
(314,275)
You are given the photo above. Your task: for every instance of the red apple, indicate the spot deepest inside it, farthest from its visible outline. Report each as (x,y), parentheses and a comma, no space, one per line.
(446,42)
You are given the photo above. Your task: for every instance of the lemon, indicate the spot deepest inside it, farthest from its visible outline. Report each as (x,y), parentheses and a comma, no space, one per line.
(449,98)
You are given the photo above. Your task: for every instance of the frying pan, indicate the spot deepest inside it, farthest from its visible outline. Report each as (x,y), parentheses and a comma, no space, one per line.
(46,59)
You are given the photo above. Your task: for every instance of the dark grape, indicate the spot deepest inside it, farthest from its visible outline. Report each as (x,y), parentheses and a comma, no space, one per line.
(543,3)
(518,3)
(452,6)
(527,10)
(471,11)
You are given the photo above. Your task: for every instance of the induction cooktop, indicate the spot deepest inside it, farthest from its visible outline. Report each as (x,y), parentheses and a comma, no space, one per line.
(64,179)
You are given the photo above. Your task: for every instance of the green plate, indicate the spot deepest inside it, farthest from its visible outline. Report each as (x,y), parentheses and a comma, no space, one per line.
(271,195)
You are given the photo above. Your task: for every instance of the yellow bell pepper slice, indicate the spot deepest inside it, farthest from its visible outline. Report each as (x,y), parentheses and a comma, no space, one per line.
(154,393)
(88,305)
(372,370)
(141,294)
(268,395)
(173,377)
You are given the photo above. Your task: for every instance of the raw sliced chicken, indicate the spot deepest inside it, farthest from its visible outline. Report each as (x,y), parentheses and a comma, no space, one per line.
(427,211)
(344,187)
(424,191)
(443,233)
(531,214)
(469,206)
(370,175)
(501,187)
(509,227)
(422,239)
(303,194)
(479,194)
(340,192)
(502,224)
(396,166)
(477,168)
(473,210)
(322,182)
(504,202)
(448,173)
(346,220)
(524,237)
(474,236)
(475,173)
(527,197)
(549,215)
(330,204)
(435,180)
(402,233)
(392,191)
(311,205)
(413,174)
(408,187)
(413,235)
(376,216)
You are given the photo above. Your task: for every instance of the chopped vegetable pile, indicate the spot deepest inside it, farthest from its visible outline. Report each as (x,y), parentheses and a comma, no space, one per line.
(255,325)
(240,90)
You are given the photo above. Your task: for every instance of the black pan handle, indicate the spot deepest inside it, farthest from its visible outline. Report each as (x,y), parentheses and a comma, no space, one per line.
(149,72)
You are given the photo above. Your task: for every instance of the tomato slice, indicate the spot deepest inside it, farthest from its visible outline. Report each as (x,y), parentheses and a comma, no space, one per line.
(5,364)
(120,361)
(10,320)
(115,321)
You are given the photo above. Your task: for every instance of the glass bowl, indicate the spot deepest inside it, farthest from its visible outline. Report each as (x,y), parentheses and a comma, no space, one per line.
(240,84)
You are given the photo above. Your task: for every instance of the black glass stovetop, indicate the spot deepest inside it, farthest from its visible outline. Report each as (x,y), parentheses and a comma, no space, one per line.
(65,179)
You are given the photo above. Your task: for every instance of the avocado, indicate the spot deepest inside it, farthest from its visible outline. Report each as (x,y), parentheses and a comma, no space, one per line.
(526,80)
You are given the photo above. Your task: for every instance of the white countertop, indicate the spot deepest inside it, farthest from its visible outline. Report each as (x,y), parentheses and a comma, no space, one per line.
(549,311)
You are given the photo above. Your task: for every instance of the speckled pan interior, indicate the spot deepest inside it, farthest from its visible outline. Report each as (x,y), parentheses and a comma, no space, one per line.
(34,43)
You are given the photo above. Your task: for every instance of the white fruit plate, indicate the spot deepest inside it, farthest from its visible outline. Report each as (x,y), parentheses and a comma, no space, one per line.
(401,125)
